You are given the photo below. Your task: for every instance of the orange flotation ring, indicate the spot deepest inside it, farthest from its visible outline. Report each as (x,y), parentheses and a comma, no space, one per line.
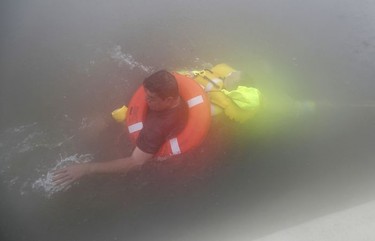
(199,117)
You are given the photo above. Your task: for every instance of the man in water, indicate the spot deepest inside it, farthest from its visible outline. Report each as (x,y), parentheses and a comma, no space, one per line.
(166,116)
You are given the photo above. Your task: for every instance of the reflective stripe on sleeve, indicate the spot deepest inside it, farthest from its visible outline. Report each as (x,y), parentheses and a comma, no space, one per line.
(195,101)
(175,147)
(135,127)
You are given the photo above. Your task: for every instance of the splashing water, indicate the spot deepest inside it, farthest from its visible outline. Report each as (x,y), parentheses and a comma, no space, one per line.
(45,183)
(29,146)
(127,59)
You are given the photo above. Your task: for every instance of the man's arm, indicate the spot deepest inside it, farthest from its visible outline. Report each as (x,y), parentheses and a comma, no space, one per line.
(72,173)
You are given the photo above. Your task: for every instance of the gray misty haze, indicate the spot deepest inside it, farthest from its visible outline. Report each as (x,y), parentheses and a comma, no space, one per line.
(65,62)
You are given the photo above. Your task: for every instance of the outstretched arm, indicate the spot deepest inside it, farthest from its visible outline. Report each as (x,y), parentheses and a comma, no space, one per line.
(72,173)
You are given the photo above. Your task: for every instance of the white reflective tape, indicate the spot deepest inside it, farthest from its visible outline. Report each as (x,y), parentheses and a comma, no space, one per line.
(195,101)
(209,87)
(217,81)
(174,146)
(135,127)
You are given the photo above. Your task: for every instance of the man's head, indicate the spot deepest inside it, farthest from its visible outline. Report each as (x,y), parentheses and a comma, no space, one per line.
(161,90)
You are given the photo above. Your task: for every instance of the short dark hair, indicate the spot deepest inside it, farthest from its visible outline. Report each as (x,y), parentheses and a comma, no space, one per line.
(162,83)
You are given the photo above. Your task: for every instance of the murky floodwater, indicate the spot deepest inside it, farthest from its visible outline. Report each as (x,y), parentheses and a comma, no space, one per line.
(66,65)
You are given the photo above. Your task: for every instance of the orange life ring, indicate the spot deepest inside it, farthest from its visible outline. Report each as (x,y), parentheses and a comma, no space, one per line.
(199,117)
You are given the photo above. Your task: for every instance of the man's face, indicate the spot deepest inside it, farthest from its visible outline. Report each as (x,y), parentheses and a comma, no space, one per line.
(156,103)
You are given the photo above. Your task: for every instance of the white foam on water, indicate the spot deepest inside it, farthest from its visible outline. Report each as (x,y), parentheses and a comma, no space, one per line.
(24,140)
(127,59)
(20,128)
(27,138)
(36,140)
(13,181)
(30,142)
(45,183)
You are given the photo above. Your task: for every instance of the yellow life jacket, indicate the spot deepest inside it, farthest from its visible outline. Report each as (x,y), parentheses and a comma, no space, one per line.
(239,105)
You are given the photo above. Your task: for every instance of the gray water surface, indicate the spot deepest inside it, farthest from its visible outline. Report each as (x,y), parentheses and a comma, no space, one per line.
(66,64)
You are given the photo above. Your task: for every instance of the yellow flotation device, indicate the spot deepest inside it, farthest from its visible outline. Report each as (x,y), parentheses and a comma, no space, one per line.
(240,104)
(246,98)
(119,114)
(208,80)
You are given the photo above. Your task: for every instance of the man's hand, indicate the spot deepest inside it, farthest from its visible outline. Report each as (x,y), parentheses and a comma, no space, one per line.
(68,175)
